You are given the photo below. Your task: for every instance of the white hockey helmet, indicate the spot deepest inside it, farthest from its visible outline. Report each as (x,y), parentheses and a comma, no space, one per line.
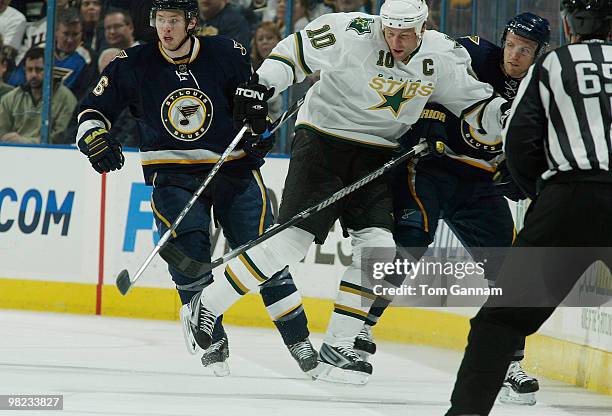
(404,14)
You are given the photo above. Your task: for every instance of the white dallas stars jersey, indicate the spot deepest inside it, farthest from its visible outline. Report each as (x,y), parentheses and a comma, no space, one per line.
(366,97)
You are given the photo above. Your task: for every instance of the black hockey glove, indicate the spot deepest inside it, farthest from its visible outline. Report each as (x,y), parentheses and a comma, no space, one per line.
(104,153)
(258,145)
(251,105)
(429,130)
(505,185)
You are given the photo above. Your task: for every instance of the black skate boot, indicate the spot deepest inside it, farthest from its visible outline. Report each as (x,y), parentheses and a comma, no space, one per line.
(216,357)
(305,355)
(518,387)
(198,323)
(364,343)
(340,364)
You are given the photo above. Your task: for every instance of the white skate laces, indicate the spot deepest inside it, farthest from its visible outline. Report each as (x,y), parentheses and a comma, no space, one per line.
(517,374)
(305,355)
(206,320)
(518,387)
(347,351)
(301,350)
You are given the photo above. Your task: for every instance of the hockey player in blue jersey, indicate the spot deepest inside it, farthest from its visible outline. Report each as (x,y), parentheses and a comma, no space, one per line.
(459,188)
(181,89)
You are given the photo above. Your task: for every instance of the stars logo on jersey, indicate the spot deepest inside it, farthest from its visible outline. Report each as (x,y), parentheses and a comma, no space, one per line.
(187,114)
(393,102)
(361,25)
(394,94)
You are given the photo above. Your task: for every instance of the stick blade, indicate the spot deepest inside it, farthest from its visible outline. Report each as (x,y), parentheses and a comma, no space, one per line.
(123,282)
(182,262)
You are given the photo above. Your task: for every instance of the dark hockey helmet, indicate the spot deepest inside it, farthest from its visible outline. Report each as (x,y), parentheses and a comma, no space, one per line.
(529,26)
(588,17)
(189,7)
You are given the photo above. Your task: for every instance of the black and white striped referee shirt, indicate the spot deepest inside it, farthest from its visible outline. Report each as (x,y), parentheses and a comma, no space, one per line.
(560,119)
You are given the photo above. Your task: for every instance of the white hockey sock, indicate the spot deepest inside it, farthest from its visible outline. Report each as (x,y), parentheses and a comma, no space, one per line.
(247,271)
(353,303)
(355,295)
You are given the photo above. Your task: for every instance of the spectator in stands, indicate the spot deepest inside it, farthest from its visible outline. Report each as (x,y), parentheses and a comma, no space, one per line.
(300,14)
(218,17)
(12,25)
(139,11)
(267,35)
(119,29)
(346,6)
(72,61)
(21,109)
(36,32)
(4,67)
(93,34)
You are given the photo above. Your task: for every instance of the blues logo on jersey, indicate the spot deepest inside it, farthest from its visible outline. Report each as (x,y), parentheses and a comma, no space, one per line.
(480,140)
(187,114)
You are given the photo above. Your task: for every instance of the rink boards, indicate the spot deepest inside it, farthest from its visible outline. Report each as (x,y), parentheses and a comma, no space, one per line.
(65,233)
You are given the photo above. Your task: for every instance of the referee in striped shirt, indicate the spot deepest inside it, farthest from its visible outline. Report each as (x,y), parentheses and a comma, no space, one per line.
(559,152)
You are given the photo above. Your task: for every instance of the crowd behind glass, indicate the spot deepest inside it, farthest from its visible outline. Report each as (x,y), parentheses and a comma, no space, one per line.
(89,34)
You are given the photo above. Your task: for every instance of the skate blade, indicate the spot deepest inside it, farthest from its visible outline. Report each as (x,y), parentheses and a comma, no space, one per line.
(508,396)
(333,374)
(190,342)
(220,369)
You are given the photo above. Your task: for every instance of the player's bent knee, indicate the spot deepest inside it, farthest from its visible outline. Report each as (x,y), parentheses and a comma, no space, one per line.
(374,240)
(290,245)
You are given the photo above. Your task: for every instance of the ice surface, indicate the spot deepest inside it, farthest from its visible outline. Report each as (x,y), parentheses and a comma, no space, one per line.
(127,367)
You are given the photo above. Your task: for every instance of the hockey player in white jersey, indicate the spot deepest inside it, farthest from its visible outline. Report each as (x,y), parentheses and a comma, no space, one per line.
(377,74)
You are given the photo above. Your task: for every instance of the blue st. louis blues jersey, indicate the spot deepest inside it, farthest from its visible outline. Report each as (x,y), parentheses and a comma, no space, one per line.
(183,106)
(474,152)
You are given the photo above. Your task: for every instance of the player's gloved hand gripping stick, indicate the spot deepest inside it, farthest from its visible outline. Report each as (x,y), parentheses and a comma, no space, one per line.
(195,268)
(124,281)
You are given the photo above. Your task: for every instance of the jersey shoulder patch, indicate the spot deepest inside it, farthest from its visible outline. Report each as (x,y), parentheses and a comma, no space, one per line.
(474,39)
(361,25)
(225,47)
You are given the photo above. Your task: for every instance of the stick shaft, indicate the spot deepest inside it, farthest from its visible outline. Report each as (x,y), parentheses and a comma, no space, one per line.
(323,204)
(230,148)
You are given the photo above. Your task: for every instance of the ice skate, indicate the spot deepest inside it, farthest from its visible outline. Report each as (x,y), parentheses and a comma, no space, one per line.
(305,355)
(518,387)
(215,357)
(198,323)
(341,364)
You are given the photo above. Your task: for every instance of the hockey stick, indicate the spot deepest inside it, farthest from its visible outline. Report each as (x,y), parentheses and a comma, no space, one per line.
(124,282)
(195,268)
